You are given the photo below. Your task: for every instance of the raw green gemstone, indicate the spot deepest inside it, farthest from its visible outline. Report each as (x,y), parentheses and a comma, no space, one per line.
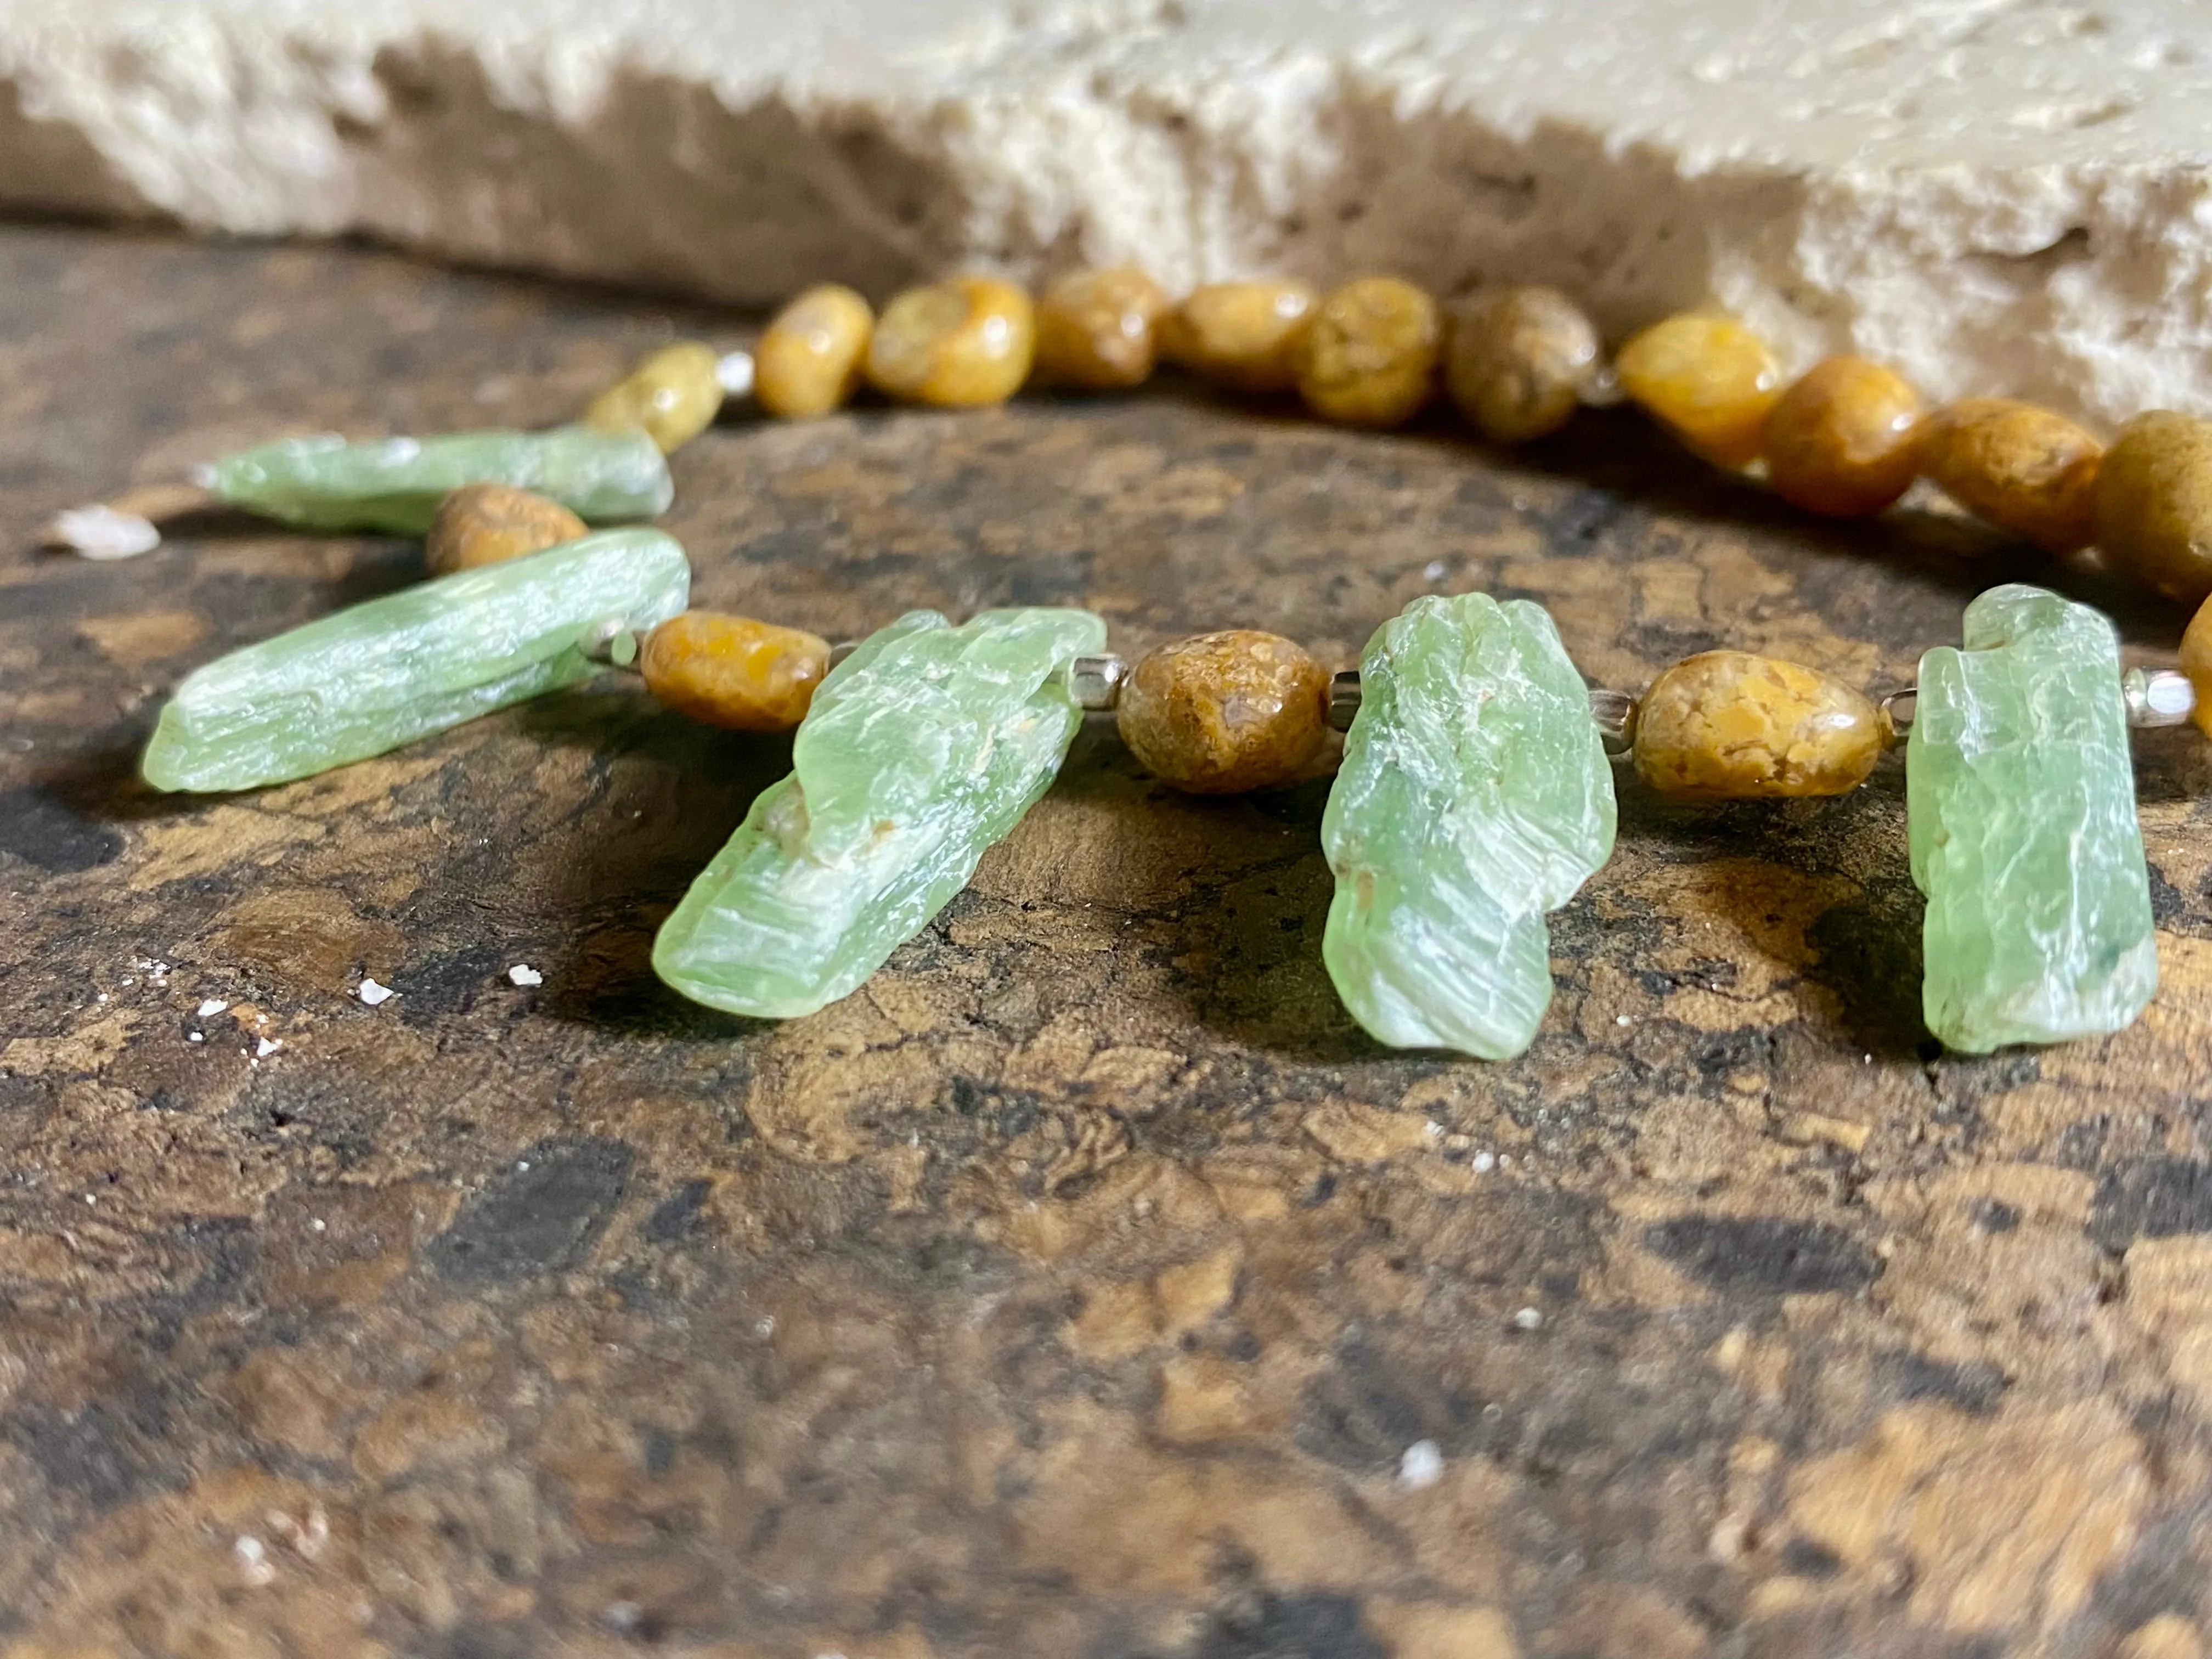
(395,484)
(381,674)
(2022,802)
(920,750)
(1474,796)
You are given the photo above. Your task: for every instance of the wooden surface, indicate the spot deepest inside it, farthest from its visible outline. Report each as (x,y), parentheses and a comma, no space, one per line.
(1078,1288)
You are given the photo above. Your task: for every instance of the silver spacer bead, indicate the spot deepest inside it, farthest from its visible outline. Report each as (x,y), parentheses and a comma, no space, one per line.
(1615,714)
(842,650)
(1343,698)
(735,373)
(1095,683)
(2158,696)
(611,641)
(1898,708)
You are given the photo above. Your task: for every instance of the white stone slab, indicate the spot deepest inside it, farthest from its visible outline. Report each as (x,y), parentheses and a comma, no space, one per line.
(1996,195)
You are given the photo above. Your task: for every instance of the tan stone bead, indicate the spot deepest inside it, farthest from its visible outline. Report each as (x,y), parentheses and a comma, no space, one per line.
(674,395)
(1097,329)
(810,358)
(1730,725)
(1518,362)
(1222,713)
(956,345)
(2153,504)
(1243,334)
(1370,358)
(1710,380)
(733,672)
(491,523)
(2023,469)
(2197,663)
(1840,442)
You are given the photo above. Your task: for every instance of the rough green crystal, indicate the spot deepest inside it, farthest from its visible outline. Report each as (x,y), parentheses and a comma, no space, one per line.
(2022,808)
(920,750)
(1474,796)
(395,484)
(380,674)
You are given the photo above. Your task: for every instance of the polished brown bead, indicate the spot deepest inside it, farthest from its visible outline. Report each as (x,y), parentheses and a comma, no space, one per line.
(1097,329)
(2025,470)
(2154,504)
(810,358)
(674,395)
(1243,334)
(1730,725)
(491,523)
(957,344)
(1370,358)
(733,672)
(1840,442)
(1710,380)
(1518,362)
(1222,713)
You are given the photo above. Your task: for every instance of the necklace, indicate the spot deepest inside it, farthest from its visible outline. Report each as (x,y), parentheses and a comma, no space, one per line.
(1475,791)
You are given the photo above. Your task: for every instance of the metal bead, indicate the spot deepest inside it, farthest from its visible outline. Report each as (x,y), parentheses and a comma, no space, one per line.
(1343,699)
(1898,708)
(733,372)
(842,650)
(1094,683)
(1615,714)
(2158,696)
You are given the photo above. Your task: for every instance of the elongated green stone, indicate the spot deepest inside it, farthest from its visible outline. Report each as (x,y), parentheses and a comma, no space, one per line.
(1474,796)
(377,675)
(2022,802)
(920,750)
(395,484)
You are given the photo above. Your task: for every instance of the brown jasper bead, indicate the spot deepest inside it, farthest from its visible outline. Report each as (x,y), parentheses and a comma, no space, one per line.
(2153,504)
(674,395)
(1518,362)
(2023,469)
(1243,334)
(957,344)
(1370,358)
(1709,380)
(1222,713)
(1098,329)
(1729,725)
(733,672)
(1840,442)
(491,523)
(810,358)
(2197,663)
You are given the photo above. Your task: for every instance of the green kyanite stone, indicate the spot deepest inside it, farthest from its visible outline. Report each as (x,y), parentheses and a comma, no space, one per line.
(2022,808)
(395,484)
(384,673)
(921,748)
(1474,796)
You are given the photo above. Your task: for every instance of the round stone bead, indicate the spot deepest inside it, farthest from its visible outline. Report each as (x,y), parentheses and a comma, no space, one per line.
(1243,334)
(1708,379)
(2153,504)
(674,395)
(1096,329)
(491,523)
(733,672)
(1840,442)
(1730,725)
(1518,362)
(1218,713)
(810,357)
(1369,357)
(956,345)
(2023,469)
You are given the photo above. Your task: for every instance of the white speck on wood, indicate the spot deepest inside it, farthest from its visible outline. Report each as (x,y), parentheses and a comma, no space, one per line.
(372,993)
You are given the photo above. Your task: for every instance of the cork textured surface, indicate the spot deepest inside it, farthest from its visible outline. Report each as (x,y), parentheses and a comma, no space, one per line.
(1087,1286)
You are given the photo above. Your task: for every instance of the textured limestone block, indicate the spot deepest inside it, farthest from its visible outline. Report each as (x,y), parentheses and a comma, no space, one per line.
(2002,198)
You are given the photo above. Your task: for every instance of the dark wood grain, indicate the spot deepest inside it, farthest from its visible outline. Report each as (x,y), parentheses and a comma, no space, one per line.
(1078,1288)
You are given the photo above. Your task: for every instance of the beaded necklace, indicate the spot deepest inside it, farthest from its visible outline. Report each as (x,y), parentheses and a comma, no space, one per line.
(1475,790)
